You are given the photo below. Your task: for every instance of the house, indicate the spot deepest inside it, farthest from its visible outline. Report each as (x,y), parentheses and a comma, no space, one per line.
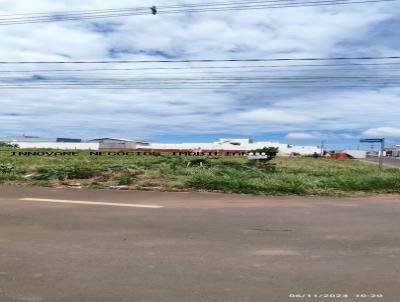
(120,144)
(393,152)
(234,145)
(34,142)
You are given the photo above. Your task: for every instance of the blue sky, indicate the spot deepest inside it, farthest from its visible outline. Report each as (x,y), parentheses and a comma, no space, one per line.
(282,113)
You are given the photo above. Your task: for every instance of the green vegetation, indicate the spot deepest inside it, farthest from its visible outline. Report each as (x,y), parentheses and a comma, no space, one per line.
(270,152)
(281,176)
(6,146)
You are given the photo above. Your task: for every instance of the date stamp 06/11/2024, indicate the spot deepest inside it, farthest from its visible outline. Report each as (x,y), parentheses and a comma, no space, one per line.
(343,296)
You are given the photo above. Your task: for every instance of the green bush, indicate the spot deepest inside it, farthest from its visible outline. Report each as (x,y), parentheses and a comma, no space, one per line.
(6,146)
(270,152)
(63,173)
(9,177)
(7,168)
(202,162)
(127,178)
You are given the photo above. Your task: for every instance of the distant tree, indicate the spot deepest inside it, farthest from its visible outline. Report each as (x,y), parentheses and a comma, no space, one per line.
(4,145)
(269,152)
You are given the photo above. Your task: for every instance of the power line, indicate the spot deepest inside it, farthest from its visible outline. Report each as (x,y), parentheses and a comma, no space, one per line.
(102,11)
(287,5)
(187,8)
(219,79)
(197,87)
(204,60)
(207,4)
(199,80)
(184,81)
(78,12)
(335,67)
(226,69)
(230,78)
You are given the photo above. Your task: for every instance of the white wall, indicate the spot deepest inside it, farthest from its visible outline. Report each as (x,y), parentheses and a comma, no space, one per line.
(111,144)
(57,145)
(284,150)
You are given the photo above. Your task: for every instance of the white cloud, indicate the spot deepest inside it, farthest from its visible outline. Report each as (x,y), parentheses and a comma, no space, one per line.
(273,116)
(298,32)
(382,132)
(301,135)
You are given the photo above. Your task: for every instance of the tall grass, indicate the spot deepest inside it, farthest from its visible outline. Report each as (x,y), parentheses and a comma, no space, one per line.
(282,176)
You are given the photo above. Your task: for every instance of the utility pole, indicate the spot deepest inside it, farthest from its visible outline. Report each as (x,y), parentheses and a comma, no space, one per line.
(322,148)
(381,155)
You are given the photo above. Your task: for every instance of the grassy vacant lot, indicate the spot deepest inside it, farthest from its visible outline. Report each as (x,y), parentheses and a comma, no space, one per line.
(282,176)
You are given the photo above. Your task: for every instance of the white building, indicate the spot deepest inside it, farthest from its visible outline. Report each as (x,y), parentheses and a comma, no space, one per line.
(116,143)
(32,142)
(56,145)
(392,152)
(225,144)
(239,145)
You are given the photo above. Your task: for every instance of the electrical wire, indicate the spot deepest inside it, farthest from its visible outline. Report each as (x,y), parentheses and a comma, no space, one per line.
(295,67)
(206,60)
(172,9)
(193,83)
(341,72)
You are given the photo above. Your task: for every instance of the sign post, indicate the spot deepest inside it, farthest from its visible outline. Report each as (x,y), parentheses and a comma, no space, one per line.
(377,140)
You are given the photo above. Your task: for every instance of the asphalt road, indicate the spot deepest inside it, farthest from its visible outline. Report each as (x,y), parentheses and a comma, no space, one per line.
(104,246)
(393,162)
